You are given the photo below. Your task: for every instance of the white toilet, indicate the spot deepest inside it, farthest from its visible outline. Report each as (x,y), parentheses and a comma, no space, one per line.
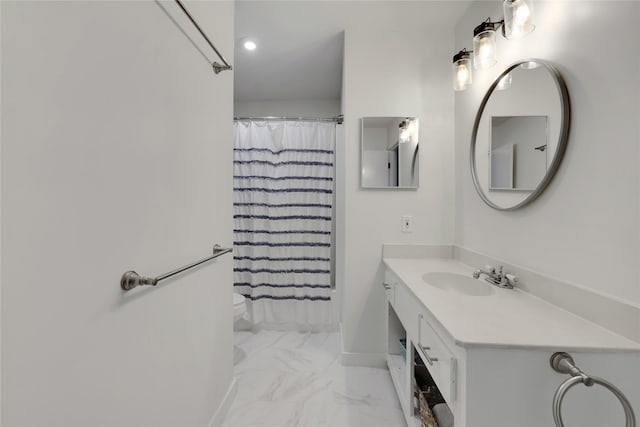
(239,306)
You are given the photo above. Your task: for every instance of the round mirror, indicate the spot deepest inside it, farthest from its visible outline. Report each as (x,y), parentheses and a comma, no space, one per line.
(520,134)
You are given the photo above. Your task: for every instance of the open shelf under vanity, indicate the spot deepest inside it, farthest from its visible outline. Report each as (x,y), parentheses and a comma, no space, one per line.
(407,367)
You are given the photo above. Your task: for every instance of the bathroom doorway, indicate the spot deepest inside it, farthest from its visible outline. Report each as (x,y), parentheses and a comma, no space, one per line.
(283,84)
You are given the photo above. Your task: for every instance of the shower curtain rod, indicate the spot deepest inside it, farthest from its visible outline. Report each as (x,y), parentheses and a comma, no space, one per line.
(217,67)
(337,119)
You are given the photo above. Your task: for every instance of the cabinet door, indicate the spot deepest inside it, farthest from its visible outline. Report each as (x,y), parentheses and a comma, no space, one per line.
(440,361)
(406,307)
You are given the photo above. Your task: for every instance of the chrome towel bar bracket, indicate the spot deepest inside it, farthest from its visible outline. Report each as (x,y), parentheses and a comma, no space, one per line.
(130,279)
(217,67)
(563,363)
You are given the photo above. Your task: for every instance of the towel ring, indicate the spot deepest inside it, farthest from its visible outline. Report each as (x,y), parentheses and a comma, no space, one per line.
(563,363)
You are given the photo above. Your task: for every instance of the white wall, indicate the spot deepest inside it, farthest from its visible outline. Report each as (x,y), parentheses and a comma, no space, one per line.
(0,219)
(288,108)
(116,155)
(584,229)
(391,69)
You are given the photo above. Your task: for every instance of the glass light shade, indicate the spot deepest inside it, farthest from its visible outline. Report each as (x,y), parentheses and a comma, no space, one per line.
(530,65)
(504,83)
(462,76)
(408,131)
(518,18)
(413,130)
(484,50)
(404,134)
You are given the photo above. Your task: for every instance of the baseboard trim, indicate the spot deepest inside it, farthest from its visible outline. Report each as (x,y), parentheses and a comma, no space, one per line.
(221,412)
(368,360)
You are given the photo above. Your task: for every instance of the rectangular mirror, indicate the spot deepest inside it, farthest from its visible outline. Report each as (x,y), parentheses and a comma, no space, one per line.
(389,157)
(518,153)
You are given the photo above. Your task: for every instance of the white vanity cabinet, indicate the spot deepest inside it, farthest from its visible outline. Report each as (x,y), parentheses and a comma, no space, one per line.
(487,382)
(407,320)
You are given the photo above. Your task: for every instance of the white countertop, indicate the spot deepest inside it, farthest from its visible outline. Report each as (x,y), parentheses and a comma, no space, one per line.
(508,318)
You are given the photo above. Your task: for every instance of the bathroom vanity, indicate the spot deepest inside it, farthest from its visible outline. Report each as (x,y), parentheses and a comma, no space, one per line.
(488,349)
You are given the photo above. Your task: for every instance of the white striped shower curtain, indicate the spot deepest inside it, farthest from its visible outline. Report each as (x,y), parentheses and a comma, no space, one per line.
(283,198)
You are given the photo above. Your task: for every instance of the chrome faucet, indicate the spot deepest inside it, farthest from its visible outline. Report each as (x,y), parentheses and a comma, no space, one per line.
(497,277)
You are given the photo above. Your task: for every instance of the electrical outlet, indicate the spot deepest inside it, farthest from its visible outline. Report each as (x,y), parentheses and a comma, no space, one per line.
(407,224)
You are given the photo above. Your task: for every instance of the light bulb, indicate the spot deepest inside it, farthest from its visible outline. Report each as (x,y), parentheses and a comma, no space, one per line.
(484,50)
(462,76)
(250,45)
(521,15)
(404,136)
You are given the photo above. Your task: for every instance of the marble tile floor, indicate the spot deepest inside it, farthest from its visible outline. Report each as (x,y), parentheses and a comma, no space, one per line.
(293,379)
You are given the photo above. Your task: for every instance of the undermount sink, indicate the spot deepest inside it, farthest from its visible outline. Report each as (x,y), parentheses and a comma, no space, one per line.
(458,283)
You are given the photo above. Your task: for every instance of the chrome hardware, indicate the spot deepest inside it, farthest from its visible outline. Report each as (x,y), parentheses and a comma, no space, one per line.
(424,351)
(563,363)
(217,67)
(337,119)
(386,286)
(131,279)
(498,278)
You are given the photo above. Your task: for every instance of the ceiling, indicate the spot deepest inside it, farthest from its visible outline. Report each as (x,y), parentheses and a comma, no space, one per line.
(299,54)
(300,43)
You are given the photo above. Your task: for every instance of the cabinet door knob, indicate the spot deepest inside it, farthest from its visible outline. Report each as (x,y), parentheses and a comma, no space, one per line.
(386,286)
(430,359)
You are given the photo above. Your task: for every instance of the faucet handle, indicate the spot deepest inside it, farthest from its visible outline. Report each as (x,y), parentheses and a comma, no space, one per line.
(512,279)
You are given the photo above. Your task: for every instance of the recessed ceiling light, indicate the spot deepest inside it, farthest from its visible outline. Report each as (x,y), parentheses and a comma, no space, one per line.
(249,45)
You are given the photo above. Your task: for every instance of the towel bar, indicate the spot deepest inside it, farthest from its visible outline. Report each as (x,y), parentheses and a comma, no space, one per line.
(130,279)
(217,67)
(563,363)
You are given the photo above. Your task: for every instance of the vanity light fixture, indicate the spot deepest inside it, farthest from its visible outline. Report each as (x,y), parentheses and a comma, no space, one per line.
(462,76)
(518,18)
(518,21)
(407,130)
